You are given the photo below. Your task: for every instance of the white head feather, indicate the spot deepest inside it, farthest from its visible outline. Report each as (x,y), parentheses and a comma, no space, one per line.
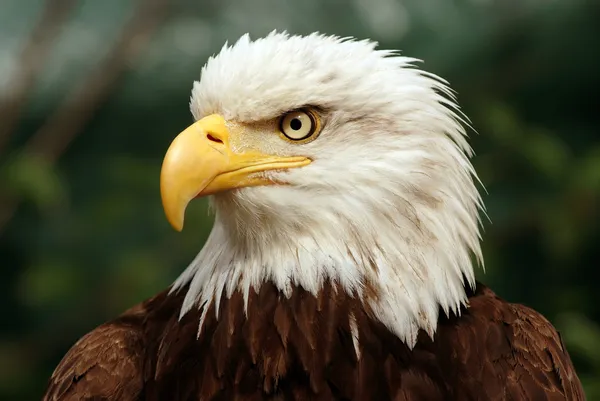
(388,203)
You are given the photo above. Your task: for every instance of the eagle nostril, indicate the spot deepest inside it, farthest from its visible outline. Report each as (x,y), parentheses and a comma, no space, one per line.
(213,139)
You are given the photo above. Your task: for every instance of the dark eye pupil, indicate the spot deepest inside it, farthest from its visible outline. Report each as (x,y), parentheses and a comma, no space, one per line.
(295,124)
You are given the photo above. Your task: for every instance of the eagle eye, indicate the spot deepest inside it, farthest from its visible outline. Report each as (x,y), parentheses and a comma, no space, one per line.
(299,125)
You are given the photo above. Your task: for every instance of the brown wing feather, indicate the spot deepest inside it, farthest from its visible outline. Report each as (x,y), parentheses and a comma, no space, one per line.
(504,351)
(539,350)
(105,364)
(108,363)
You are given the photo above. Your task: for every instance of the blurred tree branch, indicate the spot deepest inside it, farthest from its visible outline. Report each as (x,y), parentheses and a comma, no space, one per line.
(79,106)
(31,60)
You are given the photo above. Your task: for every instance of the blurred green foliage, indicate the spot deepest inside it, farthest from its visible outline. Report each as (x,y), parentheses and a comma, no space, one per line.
(85,236)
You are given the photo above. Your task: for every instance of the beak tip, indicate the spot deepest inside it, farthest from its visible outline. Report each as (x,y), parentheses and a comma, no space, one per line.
(176,223)
(174,208)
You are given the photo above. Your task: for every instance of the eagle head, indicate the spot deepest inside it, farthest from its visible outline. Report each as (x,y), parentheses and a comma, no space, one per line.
(326,159)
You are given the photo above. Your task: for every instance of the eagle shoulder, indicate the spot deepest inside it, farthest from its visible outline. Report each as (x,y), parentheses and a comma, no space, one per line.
(509,351)
(540,352)
(105,364)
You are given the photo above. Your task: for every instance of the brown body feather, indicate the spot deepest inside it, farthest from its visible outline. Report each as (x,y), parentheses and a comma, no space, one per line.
(302,348)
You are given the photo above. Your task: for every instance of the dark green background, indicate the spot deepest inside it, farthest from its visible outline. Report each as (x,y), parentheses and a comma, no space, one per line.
(83,234)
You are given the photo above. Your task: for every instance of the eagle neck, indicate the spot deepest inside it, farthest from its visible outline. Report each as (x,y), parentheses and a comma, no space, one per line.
(400,281)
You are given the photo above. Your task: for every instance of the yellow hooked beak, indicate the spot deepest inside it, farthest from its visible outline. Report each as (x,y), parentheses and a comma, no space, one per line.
(200,162)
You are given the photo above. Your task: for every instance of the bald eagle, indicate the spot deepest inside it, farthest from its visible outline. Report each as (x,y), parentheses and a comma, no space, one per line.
(339,266)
